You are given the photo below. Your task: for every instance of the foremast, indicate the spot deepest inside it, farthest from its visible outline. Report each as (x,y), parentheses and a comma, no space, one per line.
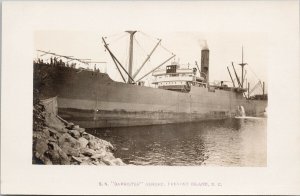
(131,77)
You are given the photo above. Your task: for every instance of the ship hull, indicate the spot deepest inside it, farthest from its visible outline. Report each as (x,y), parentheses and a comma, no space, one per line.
(92,99)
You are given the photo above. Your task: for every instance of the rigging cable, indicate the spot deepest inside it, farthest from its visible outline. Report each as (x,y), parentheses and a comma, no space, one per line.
(117,39)
(149,36)
(140,46)
(155,39)
(253,72)
(166,49)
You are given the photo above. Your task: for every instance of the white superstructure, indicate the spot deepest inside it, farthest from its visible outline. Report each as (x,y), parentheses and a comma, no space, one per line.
(176,78)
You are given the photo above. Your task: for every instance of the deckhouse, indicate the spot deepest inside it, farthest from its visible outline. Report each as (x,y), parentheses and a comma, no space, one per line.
(177,78)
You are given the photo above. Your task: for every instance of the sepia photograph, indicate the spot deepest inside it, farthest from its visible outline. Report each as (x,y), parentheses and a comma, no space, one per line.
(138,99)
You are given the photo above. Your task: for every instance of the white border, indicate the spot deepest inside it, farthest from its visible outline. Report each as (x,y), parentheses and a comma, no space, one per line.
(279,19)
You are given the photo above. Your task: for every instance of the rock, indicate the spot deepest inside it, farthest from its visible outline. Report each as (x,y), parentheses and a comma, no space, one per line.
(105,144)
(96,163)
(70,125)
(87,136)
(74,133)
(51,139)
(40,146)
(53,133)
(56,141)
(83,142)
(47,161)
(69,145)
(70,150)
(118,161)
(57,155)
(46,133)
(101,163)
(108,162)
(43,134)
(81,130)
(86,163)
(93,144)
(99,155)
(88,152)
(80,159)
(67,138)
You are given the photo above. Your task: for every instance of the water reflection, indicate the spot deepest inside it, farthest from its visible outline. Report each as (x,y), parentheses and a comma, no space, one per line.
(231,142)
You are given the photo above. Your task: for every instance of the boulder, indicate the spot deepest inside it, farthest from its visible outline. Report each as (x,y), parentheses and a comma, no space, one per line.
(88,152)
(83,142)
(101,163)
(69,145)
(70,125)
(70,150)
(40,146)
(108,162)
(93,144)
(105,144)
(99,155)
(96,162)
(74,133)
(67,138)
(86,163)
(87,136)
(51,139)
(47,161)
(80,159)
(118,161)
(81,130)
(53,133)
(46,133)
(57,155)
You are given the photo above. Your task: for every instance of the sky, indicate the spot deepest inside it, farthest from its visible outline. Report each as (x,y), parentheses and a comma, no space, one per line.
(224,49)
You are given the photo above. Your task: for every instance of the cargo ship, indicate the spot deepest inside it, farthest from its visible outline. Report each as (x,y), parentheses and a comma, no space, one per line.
(180,94)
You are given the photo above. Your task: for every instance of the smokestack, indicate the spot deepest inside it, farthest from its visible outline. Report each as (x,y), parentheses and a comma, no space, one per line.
(205,61)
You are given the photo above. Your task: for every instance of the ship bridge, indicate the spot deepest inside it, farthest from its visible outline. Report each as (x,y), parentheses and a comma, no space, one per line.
(177,78)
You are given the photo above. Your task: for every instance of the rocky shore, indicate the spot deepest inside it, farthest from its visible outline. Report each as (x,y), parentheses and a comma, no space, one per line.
(58,142)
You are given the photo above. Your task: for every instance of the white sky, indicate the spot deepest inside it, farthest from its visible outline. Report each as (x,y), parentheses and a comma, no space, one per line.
(224,49)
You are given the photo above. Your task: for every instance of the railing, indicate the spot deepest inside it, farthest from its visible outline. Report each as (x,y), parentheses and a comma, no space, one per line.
(174,79)
(199,84)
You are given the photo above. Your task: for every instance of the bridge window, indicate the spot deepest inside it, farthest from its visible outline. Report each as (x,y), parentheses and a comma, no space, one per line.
(171,69)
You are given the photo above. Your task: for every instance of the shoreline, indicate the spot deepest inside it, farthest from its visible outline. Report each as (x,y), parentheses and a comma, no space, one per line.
(59,142)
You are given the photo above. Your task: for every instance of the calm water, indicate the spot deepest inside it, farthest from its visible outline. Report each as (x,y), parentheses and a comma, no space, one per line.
(231,142)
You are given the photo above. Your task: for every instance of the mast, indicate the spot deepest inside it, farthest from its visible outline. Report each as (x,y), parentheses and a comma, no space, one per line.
(130,55)
(242,65)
